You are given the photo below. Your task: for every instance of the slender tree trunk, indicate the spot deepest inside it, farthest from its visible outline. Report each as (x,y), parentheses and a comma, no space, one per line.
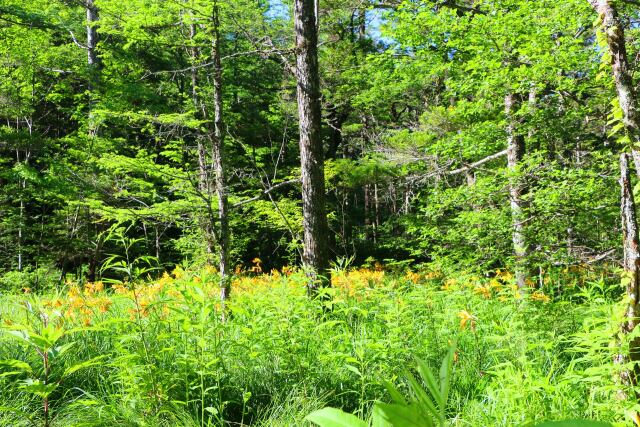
(531,134)
(613,30)
(407,199)
(216,138)
(20,235)
(203,178)
(93,61)
(367,216)
(204,185)
(22,213)
(394,197)
(636,160)
(631,267)
(94,259)
(316,230)
(218,158)
(92,33)
(515,154)
(157,243)
(376,206)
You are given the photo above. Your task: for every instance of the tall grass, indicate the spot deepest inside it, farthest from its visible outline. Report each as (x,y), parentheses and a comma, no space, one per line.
(167,359)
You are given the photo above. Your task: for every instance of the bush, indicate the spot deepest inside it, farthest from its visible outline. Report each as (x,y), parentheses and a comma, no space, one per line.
(40,279)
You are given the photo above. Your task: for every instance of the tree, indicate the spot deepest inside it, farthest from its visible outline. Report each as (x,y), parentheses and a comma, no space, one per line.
(316,231)
(515,155)
(614,33)
(218,155)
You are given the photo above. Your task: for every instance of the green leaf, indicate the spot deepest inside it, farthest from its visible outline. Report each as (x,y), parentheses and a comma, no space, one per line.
(354,370)
(21,335)
(61,349)
(38,387)
(16,366)
(378,418)
(331,417)
(424,402)
(86,364)
(403,416)
(396,396)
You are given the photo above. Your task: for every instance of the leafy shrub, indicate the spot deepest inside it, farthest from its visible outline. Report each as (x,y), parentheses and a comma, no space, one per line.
(30,280)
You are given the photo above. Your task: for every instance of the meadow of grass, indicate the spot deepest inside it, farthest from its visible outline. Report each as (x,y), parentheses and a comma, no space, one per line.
(156,353)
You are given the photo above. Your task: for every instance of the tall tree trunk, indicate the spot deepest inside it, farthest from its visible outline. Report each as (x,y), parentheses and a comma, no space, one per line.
(218,158)
(515,154)
(376,205)
(631,267)
(367,216)
(22,193)
(203,175)
(316,230)
(21,221)
(613,30)
(216,139)
(92,34)
(204,185)
(93,61)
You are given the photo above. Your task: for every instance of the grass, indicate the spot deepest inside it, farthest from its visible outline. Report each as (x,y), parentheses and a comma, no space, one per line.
(162,357)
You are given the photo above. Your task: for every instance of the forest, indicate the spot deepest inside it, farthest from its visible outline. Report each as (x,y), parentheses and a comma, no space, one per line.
(320,213)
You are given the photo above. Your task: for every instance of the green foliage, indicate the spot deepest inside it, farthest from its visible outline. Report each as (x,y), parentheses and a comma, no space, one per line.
(427,406)
(165,353)
(42,279)
(42,379)
(410,94)
(106,174)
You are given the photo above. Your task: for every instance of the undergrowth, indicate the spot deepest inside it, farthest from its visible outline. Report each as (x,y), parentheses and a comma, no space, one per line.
(155,353)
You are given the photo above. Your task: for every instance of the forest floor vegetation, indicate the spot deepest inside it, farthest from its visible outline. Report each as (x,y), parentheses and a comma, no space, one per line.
(155,352)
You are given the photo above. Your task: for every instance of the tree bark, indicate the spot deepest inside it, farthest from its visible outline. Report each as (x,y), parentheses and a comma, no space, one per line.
(92,34)
(218,158)
(21,221)
(203,178)
(216,139)
(93,61)
(627,98)
(316,230)
(515,154)
(376,206)
(204,185)
(613,29)
(631,267)
(367,216)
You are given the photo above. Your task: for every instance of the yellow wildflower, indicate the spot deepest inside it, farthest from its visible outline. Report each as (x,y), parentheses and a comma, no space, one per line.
(178,272)
(467,318)
(540,296)
(484,291)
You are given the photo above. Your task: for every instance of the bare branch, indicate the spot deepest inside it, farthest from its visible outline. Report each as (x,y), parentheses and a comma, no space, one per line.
(80,45)
(478,163)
